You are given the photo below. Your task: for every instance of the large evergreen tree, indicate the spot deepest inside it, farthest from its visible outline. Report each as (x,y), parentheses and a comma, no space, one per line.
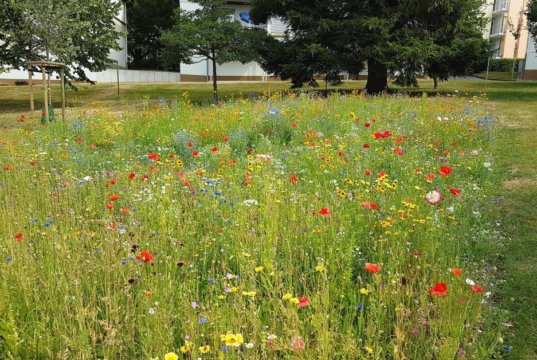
(77,33)
(208,33)
(404,36)
(147,19)
(532,19)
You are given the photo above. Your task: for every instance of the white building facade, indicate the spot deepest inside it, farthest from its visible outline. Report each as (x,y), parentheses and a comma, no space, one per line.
(530,67)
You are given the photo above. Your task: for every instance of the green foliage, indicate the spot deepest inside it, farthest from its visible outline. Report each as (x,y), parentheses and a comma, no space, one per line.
(504,65)
(409,38)
(207,33)
(147,19)
(532,19)
(78,33)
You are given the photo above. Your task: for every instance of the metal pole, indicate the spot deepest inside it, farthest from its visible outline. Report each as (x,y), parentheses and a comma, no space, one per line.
(30,80)
(62,75)
(45,92)
(488,66)
(117,74)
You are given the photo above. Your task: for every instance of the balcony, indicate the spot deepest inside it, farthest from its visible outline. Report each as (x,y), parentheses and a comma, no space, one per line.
(500,7)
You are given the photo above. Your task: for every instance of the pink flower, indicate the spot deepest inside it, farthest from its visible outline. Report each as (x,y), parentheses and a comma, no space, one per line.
(297,343)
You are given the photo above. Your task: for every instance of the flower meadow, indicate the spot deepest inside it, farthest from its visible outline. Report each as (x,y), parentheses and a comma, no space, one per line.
(288,227)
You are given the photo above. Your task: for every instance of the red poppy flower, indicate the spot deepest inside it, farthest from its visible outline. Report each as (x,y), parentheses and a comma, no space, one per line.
(109,206)
(19,236)
(294,125)
(303,302)
(113,197)
(382,135)
(439,288)
(79,139)
(372,268)
(366,146)
(293,179)
(214,150)
(477,289)
(381,174)
(153,156)
(367,125)
(367,172)
(195,153)
(124,211)
(171,156)
(430,177)
(456,271)
(145,256)
(113,182)
(93,146)
(145,177)
(190,144)
(454,191)
(369,205)
(132,176)
(226,139)
(324,212)
(340,154)
(445,171)
(398,151)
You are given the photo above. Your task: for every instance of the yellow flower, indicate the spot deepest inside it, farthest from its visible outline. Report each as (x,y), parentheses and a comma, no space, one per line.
(294,301)
(205,349)
(248,293)
(234,289)
(232,339)
(186,347)
(287,296)
(259,269)
(171,356)
(320,268)
(368,349)
(364,291)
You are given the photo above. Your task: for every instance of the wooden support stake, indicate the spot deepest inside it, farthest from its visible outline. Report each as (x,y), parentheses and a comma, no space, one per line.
(62,74)
(45,92)
(31,82)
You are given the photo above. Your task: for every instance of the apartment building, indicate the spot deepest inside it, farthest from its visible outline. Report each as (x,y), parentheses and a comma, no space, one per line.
(530,67)
(508,34)
(120,21)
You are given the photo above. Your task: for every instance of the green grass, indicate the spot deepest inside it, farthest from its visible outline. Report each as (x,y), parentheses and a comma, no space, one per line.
(498,75)
(90,309)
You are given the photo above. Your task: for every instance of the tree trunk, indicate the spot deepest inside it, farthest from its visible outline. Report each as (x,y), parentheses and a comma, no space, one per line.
(215,83)
(435,80)
(377,77)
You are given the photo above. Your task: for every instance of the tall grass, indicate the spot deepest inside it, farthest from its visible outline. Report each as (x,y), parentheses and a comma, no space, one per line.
(243,231)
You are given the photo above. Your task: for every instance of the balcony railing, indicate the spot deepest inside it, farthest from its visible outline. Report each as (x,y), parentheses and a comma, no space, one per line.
(500,6)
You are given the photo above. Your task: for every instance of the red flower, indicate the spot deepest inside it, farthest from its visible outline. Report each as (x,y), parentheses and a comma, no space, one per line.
(79,139)
(439,288)
(293,179)
(113,197)
(19,236)
(171,156)
(366,146)
(367,125)
(113,182)
(190,144)
(398,151)
(226,139)
(369,205)
(382,135)
(456,271)
(145,177)
(456,192)
(372,268)
(367,172)
(146,256)
(430,177)
(132,176)
(445,171)
(214,150)
(294,125)
(109,206)
(303,302)
(324,212)
(195,153)
(477,289)
(153,156)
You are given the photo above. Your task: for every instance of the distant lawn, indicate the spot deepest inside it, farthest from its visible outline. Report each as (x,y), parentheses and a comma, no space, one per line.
(498,75)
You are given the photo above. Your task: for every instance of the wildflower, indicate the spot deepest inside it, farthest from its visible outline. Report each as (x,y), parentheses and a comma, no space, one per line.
(454,191)
(445,171)
(195,153)
(113,197)
(287,297)
(439,288)
(398,151)
(248,293)
(477,289)
(297,343)
(230,339)
(433,197)
(456,271)
(368,350)
(249,345)
(204,349)
(294,301)
(372,268)
(366,146)
(259,269)
(320,268)
(132,176)
(153,156)
(171,356)
(364,291)
(145,256)
(151,311)
(369,205)
(303,302)
(324,212)
(186,347)
(214,150)
(293,179)
(19,236)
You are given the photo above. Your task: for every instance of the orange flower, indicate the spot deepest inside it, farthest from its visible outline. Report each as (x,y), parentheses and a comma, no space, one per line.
(113,197)
(456,271)
(369,205)
(439,288)
(372,268)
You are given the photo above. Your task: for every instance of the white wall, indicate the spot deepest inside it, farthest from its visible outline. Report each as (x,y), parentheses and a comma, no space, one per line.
(531,55)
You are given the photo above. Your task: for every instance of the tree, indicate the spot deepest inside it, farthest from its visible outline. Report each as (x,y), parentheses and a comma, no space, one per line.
(532,19)
(147,19)
(208,33)
(395,35)
(77,33)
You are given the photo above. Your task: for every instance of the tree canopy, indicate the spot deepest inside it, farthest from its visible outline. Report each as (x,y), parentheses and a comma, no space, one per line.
(77,33)
(408,37)
(532,19)
(147,19)
(208,33)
